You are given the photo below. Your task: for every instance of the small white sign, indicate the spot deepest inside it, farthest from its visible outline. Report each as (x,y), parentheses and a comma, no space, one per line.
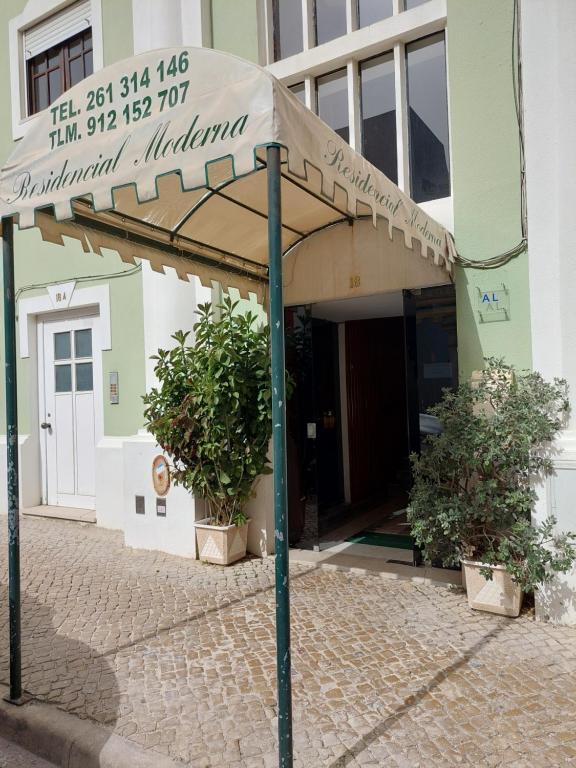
(61,294)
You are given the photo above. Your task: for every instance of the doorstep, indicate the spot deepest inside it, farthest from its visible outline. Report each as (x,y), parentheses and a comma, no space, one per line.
(61,513)
(347,559)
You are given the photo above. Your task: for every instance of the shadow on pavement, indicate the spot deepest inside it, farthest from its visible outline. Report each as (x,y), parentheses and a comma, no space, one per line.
(60,670)
(412,701)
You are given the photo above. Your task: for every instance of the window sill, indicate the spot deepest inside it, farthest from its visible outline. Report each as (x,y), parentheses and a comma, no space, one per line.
(442,210)
(20,129)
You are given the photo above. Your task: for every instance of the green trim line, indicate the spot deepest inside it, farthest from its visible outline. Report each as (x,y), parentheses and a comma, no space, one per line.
(395,541)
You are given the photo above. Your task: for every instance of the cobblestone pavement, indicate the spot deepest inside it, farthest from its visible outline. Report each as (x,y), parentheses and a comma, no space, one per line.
(180,657)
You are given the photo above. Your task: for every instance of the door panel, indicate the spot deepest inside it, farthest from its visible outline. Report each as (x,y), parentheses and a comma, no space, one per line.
(63,429)
(85,445)
(72,413)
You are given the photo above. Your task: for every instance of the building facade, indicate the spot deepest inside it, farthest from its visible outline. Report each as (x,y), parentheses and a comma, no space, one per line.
(428,91)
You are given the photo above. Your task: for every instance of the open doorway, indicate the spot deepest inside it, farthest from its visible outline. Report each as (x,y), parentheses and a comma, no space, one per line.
(366,371)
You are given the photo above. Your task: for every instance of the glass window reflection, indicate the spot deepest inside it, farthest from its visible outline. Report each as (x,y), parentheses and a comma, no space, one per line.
(330,20)
(288,28)
(371,11)
(379,114)
(428,119)
(332,91)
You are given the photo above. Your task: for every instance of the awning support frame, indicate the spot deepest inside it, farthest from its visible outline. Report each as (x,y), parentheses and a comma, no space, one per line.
(15,696)
(283,658)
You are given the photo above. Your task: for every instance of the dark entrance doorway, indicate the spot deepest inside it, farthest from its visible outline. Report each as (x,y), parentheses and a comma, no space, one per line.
(376,404)
(365,373)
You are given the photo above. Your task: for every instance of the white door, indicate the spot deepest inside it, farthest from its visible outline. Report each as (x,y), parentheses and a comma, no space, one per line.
(72,410)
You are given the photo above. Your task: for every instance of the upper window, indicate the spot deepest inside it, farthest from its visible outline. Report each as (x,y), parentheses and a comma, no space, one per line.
(393,106)
(53,45)
(288,28)
(428,118)
(378,112)
(52,72)
(413,3)
(371,11)
(332,96)
(330,20)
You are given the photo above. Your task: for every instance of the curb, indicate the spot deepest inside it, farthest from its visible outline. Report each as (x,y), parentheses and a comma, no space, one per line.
(69,742)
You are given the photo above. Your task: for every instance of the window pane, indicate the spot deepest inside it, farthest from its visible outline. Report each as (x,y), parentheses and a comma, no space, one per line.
(38,64)
(414,3)
(62,348)
(333,102)
(379,114)
(84,377)
(76,70)
(299,91)
(88,64)
(288,29)
(53,57)
(428,119)
(55,83)
(63,378)
(75,47)
(371,11)
(83,343)
(330,20)
(40,93)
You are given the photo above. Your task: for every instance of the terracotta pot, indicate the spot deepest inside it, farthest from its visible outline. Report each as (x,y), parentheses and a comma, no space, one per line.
(221,544)
(501,595)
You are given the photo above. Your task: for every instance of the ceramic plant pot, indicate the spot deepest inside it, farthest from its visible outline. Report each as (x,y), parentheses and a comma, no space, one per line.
(221,544)
(501,595)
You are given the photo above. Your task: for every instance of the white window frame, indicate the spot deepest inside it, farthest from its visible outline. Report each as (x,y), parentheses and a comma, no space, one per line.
(34,13)
(359,44)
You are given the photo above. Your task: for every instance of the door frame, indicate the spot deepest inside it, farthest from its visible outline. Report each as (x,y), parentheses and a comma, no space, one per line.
(63,316)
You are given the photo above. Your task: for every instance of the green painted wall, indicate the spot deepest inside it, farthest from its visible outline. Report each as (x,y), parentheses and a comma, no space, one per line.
(117,30)
(39,263)
(486,178)
(235,27)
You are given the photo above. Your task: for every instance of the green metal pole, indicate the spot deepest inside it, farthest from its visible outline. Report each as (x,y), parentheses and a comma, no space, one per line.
(12,461)
(283,660)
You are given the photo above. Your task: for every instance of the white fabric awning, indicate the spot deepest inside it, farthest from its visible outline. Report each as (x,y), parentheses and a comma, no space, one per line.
(159,157)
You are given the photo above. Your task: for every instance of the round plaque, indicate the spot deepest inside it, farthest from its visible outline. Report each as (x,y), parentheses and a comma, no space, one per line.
(160,475)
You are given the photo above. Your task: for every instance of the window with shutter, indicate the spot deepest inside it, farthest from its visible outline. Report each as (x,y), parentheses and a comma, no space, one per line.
(58,54)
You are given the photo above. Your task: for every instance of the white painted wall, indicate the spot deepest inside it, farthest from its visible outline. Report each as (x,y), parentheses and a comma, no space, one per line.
(169,305)
(29,475)
(170,23)
(175,532)
(260,510)
(549,74)
(110,482)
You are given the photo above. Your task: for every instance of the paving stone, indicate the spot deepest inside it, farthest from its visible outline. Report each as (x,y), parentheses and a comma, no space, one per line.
(180,657)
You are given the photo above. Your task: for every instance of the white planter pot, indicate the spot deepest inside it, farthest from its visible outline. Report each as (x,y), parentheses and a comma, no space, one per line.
(501,595)
(221,544)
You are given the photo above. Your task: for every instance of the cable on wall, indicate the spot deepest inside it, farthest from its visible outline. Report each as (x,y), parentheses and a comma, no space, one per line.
(85,279)
(507,256)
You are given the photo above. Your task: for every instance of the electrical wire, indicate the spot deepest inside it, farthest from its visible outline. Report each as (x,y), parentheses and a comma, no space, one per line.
(85,279)
(503,258)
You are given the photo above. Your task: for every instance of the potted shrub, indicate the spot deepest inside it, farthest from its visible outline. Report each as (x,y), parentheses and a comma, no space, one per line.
(473,491)
(211,413)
